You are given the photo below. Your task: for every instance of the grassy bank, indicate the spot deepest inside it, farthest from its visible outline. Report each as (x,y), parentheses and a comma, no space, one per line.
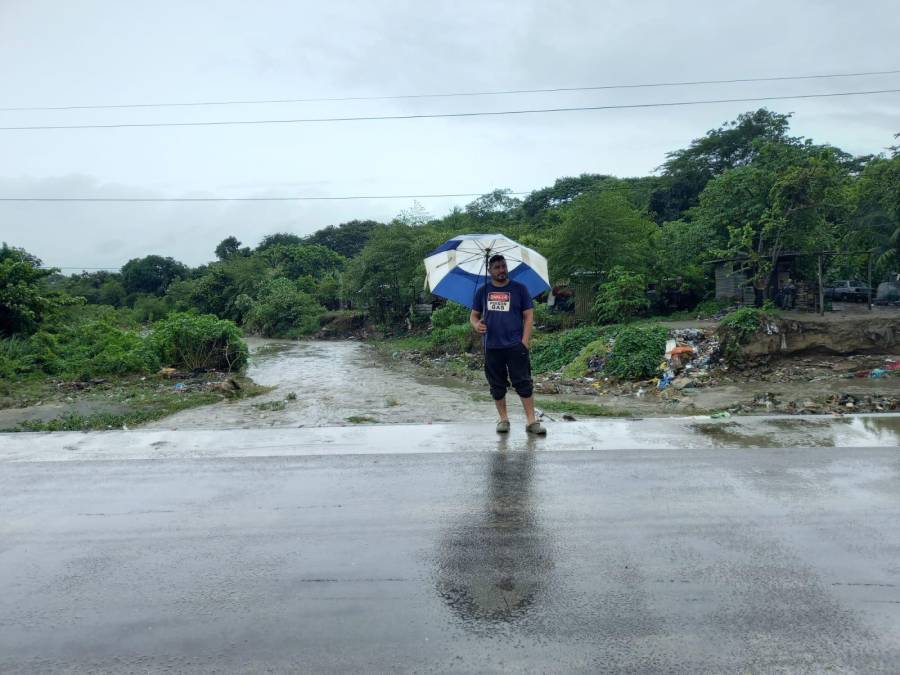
(46,404)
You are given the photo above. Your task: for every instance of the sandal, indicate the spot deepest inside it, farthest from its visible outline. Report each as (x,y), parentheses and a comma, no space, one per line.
(503,427)
(536,429)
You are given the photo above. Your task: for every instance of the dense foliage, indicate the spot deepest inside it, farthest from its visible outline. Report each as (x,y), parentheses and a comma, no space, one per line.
(746,189)
(637,352)
(198,342)
(622,297)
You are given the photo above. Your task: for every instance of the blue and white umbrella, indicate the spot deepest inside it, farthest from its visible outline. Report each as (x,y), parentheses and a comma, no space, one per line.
(458,268)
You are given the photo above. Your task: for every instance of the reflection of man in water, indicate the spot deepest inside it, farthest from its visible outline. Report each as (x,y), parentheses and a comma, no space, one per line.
(493,566)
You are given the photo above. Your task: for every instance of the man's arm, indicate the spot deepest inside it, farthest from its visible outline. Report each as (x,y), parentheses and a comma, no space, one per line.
(477,323)
(528,317)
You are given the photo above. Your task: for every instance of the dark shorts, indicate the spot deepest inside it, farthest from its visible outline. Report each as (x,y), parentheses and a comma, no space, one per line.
(510,365)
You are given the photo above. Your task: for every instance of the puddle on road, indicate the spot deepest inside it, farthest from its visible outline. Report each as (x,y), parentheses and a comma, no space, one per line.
(825,431)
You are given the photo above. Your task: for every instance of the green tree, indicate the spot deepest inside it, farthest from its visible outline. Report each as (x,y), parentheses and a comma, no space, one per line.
(876,216)
(346,239)
(681,249)
(26,300)
(282,309)
(230,247)
(329,291)
(279,238)
(622,297)
(687,171)
(218,290)
(563,191)
(152,274)
(494,206)
(788,199)
(387,275)
(298,260)
(601,230)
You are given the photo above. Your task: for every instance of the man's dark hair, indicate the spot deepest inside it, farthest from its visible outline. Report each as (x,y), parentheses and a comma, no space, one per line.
(495,258)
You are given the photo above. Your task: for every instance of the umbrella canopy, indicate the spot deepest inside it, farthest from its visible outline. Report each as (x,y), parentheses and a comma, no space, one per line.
(458,268)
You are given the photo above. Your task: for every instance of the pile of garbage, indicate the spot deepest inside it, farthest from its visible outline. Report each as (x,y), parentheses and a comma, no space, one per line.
(690,352)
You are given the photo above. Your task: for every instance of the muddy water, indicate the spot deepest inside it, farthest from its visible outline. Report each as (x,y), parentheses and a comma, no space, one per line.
(335,383)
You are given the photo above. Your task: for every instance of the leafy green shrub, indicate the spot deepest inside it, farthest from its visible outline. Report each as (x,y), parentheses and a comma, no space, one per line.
(26,300)
(449,315)
(198,342)
(16,357)
(555,350)
(120,317)
(736,329)
(282,309)
(150,308)
(455,339)
(546,320)
(622,297)
(579,365)
(709,308)
(637,351)
(89,349)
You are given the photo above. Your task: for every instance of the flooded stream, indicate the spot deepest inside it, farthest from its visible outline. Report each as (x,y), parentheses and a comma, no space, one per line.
(332,384)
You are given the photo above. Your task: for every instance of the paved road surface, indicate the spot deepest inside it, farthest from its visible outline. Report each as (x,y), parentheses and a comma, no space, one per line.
(446,550)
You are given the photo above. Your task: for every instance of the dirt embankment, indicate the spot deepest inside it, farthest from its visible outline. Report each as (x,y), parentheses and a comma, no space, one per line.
(781,337)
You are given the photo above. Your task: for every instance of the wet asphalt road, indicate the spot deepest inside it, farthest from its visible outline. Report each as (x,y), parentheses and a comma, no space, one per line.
(331,555)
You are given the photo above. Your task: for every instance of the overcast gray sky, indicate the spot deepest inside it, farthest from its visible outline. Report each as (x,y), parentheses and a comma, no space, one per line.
(94,52)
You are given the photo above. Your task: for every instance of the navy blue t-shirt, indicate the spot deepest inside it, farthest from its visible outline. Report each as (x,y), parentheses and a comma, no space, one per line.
(504,304)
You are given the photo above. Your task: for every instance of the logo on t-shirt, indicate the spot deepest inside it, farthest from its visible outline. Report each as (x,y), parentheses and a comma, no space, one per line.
(498,301)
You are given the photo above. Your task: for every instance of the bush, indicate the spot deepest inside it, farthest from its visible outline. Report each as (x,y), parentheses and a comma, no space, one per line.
(455,339)
(198,342)
(553,351)
(89,349)
(709,308)
(450,314)
(26,300)
(736,329)
(282,309)
(579,366)
(637,352)
(546,320)
(622,298)
(16,357)
(150,308)
(120,317)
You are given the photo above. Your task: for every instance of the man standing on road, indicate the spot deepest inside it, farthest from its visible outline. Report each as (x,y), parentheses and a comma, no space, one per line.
(504,315)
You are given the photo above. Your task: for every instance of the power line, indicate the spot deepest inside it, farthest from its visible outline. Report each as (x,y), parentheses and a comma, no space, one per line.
(492,113)
(300,198)
(500,92)
(297,198)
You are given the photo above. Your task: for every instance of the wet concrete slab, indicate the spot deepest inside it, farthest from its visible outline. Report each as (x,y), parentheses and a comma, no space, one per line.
(784,431)
(448,549)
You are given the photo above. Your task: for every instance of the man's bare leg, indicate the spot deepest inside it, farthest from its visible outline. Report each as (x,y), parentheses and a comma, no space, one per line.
(501,409)
(528,404)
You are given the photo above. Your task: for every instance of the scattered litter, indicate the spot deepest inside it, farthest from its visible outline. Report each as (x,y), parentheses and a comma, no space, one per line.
(878,372)
(179,387)
(720,415)
(568,417)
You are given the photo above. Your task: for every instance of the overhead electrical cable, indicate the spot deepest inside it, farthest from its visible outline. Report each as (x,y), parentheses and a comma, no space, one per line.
(284,198)
(394,97)
(480,113)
